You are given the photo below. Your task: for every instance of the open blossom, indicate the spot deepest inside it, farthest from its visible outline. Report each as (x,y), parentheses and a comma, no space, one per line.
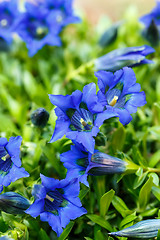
(120,93)
(63,9)
(56,202)
(80,163)
(9,16)
(37,28)
(10,163)
(123,57)
(79,116)
(144,229)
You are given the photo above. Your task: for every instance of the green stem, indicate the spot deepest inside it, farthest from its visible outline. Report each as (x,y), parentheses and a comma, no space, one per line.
(80,70)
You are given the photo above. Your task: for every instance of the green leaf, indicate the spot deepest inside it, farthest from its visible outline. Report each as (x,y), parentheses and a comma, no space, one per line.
(99,235)
(155,158)
(139,180)
(128,219)
(66,231)
(83,193)
(119,134)
(144,194)
(43,235)
(120,206)
(100,221)
(105,201)
(156,192)
(88,238)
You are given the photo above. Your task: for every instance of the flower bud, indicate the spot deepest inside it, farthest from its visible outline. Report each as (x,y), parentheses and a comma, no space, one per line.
(13,203)
(109,36)
(144,229)
(40,117)
(151,33)
(102,163)
(119,58)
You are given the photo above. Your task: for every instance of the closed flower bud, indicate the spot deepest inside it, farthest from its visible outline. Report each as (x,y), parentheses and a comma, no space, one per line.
(151,33)
(119,58)
(40,117)
(109,36)
(144,229)
(13,203)
(102,163)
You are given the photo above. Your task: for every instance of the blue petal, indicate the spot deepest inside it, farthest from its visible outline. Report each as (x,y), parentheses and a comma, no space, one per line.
(39,191)
(86,139)
(36,208)
(53,220)
(3,142)
(13,148)
(49,183)
(63,102)
(105,80)
(61,129)
(101,117)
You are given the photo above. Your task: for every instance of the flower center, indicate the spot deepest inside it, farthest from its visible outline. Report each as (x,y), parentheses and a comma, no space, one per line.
(6,157)
(3,22)
(83,122)
(113,101)
(59,18)
(49,198)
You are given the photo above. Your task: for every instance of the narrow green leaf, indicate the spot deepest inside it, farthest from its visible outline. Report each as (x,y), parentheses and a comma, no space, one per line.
(105,201)
(156,192)
(100,221)
(66,231)
(99,235)
(43,235)
(155,158)
(120,206)
(145,191)
(139,180)
(128,219)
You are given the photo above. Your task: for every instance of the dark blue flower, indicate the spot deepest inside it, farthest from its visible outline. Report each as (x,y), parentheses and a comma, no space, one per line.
(9,15)
(120,93)
(10,163)
(38,28)
(78,116)
(80,163)
(122,57)
(13,203)
(144,229)
(56,202)
(63,11)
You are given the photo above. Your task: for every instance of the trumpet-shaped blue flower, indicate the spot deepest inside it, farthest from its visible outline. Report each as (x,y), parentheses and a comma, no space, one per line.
(13,203)
(80,163)
(56,202)
(9,15)
(122,57)
(120,93)
(10,163)
(63,11)
(38,28)
(144,229)
(79,116)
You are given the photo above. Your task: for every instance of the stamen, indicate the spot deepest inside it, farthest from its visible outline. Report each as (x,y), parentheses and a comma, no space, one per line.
(59,18)
(4,158)
(83,122)
(4,22)
(39,30)
(114,100)
(49,198)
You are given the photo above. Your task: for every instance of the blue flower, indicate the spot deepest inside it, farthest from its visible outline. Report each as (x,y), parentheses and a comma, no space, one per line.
(56,202)
(10,163)
(13,203)
(80,163)
(63,11)
(120,93)
(144,229)
(119,58)
(38,28)
(9,15)
(153,15)
(78,116)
